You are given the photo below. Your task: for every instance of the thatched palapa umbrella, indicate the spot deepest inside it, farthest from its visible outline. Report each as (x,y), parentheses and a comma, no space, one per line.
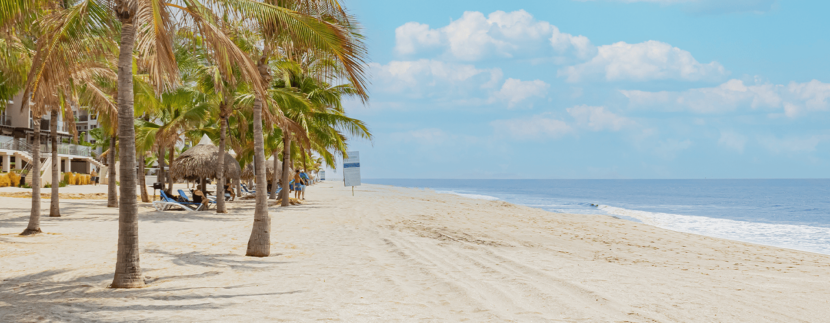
(201,162)
(248,171)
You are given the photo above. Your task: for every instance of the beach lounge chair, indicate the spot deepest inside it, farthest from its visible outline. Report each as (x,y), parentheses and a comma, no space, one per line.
(166,203)
(247,191)
(193,201)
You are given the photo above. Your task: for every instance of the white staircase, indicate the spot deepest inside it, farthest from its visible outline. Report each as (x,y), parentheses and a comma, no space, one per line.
(23,155)
(93,161)
(46,171)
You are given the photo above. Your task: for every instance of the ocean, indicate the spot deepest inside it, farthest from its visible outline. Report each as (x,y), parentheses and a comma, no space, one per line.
(787,213)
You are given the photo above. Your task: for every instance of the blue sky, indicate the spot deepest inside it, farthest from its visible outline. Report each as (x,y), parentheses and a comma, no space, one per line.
(596,89)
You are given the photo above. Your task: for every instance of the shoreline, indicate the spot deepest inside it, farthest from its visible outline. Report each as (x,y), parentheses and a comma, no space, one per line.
(399,254)
(760,234)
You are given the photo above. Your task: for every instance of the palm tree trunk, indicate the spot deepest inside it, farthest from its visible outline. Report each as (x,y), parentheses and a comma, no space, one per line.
(170,162)
(259,244)
(274,180)
(160,161)
(220,174)
(142,182)
(34,174)
(127,270)
(112,182)
(54,207)
(236,184)
(286,157)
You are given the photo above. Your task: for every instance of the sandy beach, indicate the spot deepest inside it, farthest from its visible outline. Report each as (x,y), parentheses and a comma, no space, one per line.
(396,254)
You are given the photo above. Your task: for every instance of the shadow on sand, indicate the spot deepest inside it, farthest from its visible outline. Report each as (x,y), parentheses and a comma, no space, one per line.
(60,295)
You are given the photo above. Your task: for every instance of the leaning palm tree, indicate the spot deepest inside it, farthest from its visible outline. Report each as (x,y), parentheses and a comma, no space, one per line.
(60,63)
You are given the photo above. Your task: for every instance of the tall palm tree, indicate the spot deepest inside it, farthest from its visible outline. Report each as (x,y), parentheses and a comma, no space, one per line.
(58,66)
(322,118)
(150,23)
(16,52)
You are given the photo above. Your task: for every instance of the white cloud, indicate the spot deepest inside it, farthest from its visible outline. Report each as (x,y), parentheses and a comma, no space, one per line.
(793,100)
(422,78)
(598,118)
(412,35)
(713,6)
(562,42)
(651,60)
(536,127)
(792,143)
(517,34)
(670,148)
(732,140)
(431,137)
(514,91)
(500,34)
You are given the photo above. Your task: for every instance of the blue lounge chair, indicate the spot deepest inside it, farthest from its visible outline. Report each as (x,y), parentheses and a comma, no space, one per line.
(192,200)
(246,190)
(166,203)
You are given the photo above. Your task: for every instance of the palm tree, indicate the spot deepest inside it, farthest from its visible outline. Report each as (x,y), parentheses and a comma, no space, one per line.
(16,53)
(151,24)
(220,94)
(58,66)
(320,113)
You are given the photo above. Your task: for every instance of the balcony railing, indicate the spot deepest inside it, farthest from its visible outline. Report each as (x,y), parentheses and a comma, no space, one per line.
(68,149)
(64,149)
(6,143)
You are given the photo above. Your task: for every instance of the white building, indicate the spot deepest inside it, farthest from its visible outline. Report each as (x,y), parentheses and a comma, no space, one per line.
(17,136)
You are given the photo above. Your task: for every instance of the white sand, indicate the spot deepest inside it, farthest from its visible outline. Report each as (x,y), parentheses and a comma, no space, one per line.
(391,254)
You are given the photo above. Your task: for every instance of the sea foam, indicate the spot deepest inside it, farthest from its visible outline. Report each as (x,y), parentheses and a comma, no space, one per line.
(792,236)
(472,196)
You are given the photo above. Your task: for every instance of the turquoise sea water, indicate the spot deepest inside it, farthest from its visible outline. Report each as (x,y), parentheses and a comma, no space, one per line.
(785,213)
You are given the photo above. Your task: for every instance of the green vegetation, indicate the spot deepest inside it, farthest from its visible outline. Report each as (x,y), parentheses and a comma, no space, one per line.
(265,78)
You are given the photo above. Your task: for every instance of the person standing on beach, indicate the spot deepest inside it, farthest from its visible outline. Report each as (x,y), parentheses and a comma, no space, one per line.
(298,185)
(305,183)
(94,177)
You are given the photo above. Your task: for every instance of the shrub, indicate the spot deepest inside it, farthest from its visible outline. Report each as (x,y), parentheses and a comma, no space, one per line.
(47,185)
(15,179)
(5,181)
(71,178)
(62,184)
(27,185)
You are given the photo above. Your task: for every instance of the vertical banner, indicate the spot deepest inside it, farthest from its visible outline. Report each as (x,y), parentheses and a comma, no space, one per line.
(322,175)
(351,169)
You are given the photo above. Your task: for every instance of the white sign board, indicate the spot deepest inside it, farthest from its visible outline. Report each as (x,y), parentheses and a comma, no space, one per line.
(322,175)
(351,169)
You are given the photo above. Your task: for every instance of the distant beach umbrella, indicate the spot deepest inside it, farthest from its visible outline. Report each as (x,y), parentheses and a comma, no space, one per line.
(202,161)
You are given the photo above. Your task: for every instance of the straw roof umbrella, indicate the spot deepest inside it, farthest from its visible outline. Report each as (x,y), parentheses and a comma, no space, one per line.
(248,171)
(201,162)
